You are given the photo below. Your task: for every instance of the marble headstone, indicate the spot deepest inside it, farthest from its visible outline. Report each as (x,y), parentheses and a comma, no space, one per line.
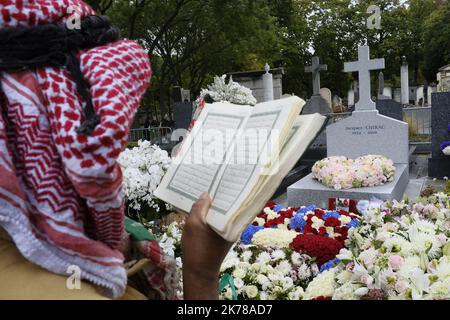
(365,132)
(439,164)
(326,94)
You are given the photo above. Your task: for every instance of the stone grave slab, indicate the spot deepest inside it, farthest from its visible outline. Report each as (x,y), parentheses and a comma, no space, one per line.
(310,191)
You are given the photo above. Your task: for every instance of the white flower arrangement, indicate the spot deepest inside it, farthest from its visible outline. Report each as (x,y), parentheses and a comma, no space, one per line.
(261,273)
(143,169)
(400,252)
(170,243)
(274,237)
(231,92)
(343,173)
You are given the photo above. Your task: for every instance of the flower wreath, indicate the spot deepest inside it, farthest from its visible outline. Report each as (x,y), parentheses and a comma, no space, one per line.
(445,146)
(342,173)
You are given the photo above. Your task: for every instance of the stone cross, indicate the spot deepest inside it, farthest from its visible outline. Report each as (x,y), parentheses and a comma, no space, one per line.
(315,69)
(363,66)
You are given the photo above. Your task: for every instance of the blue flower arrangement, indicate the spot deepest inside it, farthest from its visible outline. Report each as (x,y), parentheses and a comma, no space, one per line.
(248,234)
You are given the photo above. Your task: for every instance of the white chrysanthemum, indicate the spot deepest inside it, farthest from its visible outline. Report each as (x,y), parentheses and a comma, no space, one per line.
(296,258)
(424,226)
(284,267)
(304,272)
(424,242)
(321,286)
(287,283)
(274,238)
(263,257)
(397,244)
(278,255)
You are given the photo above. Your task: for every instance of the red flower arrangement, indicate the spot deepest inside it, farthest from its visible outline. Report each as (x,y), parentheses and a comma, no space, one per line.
(321,247)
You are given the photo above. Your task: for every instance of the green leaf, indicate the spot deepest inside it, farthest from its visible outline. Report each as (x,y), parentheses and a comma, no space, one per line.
(138,231)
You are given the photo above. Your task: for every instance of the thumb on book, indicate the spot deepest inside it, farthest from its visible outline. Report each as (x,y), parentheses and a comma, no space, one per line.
(202,206)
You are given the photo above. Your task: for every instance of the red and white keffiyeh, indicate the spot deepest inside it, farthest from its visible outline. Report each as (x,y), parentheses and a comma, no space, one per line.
(61,192)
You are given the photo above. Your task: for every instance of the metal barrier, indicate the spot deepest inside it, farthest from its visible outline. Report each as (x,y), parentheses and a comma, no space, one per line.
(419,120)
(156,135)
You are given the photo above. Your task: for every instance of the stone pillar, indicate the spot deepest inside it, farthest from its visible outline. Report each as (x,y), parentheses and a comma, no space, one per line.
(404,73)
(267,84)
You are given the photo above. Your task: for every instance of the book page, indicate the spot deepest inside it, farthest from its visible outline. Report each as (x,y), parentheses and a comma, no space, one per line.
(256,147)
(243,163)
(198,164)
(303,133)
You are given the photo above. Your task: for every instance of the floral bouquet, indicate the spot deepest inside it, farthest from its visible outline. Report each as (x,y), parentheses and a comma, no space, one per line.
(143,169)
(221,91)
(400,251)
(282,251)
(343,173)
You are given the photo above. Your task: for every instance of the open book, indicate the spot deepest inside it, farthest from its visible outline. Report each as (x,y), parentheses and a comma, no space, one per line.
(240,155)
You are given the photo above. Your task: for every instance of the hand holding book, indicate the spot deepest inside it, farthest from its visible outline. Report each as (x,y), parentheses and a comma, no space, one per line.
(240,155)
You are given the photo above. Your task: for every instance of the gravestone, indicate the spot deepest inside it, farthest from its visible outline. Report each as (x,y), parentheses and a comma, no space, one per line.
(398,95)
(382,90)
(391,109)
(317,104)
(404,75)
(420,96)
(439,164)
(183,115)
(365,132)
(387,92)
(327,95)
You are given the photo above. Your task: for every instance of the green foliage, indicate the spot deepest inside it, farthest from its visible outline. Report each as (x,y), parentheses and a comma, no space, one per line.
(437,49)
(191,41)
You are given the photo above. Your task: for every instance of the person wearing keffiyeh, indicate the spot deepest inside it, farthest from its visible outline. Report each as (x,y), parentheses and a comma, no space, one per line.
(68,98)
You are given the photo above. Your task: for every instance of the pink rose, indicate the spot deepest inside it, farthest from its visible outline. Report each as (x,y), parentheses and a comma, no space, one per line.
(395,262)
